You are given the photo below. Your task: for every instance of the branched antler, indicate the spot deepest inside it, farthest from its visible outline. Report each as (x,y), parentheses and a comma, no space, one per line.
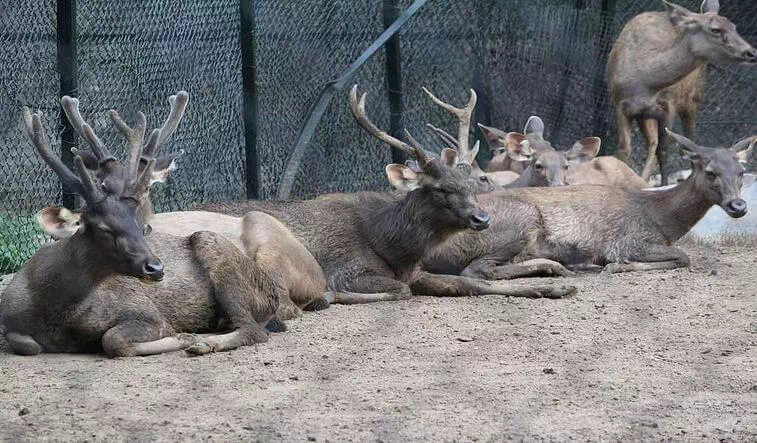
(358,111)
(82,184)
(463,117)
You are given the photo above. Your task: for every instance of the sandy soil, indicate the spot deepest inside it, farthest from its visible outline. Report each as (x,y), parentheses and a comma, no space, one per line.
(637,356)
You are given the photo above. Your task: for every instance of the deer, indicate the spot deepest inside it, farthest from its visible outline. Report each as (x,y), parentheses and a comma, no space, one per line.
(537,231)
(103,287)
(585,168)
(302,290)
(656,69)
(369,245)
(544,165)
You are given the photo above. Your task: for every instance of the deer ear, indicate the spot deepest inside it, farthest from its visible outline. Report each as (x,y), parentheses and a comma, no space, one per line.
(678,15)
(59,222)
(584,150)
(164,165)
(402,177)
(711,6)
(743,149)
(689,149)
(518,148)
(534,125)
(494,137)
(448,157)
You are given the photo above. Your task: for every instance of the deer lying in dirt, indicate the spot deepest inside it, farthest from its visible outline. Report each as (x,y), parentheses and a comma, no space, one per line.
(656,69)
(369,245)
(541,164)
(103,287)
(536,230)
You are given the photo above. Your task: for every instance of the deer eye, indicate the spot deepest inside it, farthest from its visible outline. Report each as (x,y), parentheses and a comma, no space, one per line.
(710,175)
(501,151)
(538,166)
(146,229)
(483,178)
(716,31)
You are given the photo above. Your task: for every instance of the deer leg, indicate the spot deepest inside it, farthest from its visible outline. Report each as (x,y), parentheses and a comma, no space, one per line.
(655,258)
(246,296)
(529,268)
(662,144)
(689,123)
(370,289)
(624,135)
(457,286)
(649,129)
(22,344)
(287,310)
(139,337)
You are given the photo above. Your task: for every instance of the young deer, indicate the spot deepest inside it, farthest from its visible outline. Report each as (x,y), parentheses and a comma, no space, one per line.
(369,245)
(533,229)
(656,69)
(547,167)
(80,294)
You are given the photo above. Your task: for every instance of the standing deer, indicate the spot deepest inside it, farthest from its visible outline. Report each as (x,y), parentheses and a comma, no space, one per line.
(102,287)
(656,69)
(536,230)
(369,245)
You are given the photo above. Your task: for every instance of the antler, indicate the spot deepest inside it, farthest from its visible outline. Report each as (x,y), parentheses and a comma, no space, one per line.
(463,117)
(82,184)
(100,151)
(159,136)
(358,111)
(135,138)
(445,137)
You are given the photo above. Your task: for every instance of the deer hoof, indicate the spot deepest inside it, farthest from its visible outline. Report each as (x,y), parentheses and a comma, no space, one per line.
(186,339)
(199,348)
(559,292)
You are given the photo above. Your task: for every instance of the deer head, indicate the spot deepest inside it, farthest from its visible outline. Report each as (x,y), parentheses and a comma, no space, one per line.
(107,225)
(718,172)
(444,187)
(710,36)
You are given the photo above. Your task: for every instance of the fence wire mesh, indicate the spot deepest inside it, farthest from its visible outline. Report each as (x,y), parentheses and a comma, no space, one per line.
(542,57)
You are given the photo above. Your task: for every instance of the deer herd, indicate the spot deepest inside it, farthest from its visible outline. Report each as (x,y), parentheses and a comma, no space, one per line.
(124,280)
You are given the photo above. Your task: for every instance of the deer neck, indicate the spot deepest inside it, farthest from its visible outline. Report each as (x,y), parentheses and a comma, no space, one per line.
(677,210)
(402,231)
(70,269)
(668,66)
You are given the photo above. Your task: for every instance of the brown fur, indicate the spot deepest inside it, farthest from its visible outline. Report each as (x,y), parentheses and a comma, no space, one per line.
(656,70)
(75,296)
(608,171)
(599,225)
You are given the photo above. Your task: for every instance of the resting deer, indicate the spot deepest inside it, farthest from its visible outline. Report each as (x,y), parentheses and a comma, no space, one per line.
(103,288)
(369,245)
(656,69)
(588,169)
(545,166)
(535,230)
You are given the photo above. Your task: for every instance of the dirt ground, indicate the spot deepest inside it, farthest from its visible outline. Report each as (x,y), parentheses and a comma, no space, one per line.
(637,356)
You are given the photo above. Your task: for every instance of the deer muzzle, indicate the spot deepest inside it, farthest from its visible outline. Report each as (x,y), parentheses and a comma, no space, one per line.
(479,219)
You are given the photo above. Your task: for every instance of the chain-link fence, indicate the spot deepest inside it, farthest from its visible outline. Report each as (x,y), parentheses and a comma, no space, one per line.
(543,57)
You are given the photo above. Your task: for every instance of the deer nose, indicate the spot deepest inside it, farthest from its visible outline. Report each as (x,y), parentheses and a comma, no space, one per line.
(750,55)
(479,220)
(153,270)
(737,208)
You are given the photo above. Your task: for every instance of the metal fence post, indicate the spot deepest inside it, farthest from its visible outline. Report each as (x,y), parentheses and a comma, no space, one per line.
(394,79)
(249,101)
(68,68)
